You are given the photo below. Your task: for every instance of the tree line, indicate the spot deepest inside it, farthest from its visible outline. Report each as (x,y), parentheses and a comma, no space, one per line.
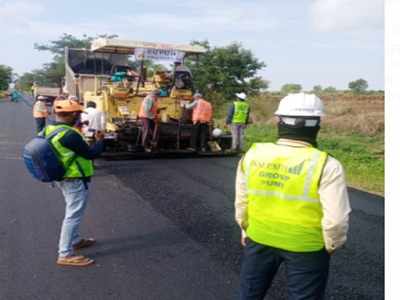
(219,73)
(358,86)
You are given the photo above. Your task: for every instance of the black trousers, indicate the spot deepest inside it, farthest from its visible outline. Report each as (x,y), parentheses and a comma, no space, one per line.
(307,273)
(147,131)
(199,136)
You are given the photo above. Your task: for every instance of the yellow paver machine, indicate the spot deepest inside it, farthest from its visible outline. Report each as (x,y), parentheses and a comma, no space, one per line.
(118,74)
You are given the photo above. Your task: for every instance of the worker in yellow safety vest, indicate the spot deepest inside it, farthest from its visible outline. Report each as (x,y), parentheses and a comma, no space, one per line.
(291,204)
(76,156)
(237,119)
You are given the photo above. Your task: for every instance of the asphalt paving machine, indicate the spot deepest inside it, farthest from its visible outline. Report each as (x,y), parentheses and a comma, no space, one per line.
(104,75)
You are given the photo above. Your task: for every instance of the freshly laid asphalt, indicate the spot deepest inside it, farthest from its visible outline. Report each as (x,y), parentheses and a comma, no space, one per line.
(165,230)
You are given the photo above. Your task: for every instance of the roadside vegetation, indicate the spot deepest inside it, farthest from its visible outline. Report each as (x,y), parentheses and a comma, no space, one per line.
(352,131)
(6,75)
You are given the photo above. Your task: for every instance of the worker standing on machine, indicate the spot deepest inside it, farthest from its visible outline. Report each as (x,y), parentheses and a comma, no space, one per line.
(201,118)
(40,113)
(148,116)
(292,205)
(238,118)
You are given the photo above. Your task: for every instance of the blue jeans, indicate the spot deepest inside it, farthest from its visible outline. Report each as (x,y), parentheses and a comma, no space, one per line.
(307,273)
(76,197)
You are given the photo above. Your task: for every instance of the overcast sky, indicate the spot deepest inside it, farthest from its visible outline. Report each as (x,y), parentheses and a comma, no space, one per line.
(326,42)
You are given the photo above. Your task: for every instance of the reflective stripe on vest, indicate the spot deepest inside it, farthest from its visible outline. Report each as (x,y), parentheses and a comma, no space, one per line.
(74,168)
(284,210)
(153,110)
(202,112)
(240,113)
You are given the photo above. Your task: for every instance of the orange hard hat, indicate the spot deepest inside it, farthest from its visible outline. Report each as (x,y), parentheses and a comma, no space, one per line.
(67,106)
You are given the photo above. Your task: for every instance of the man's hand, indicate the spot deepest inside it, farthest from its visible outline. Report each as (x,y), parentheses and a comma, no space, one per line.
(330,252)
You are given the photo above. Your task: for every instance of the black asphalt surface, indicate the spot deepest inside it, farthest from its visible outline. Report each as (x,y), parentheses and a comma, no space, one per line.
(165,230)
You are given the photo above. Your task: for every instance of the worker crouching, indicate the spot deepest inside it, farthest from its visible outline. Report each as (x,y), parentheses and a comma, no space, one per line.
(291,204)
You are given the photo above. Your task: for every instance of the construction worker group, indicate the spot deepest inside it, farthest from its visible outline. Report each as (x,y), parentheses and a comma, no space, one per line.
(291,200)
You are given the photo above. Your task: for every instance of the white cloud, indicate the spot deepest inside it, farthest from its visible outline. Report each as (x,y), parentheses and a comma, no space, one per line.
(29,18)
(347,15)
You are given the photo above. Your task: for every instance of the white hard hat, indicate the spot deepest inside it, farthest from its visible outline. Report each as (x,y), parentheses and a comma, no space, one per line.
(301,105)
(241,95)
(197,94)
(42,98)
(217,132)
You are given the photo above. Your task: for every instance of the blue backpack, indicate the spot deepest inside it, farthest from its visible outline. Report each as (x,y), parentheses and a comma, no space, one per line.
(41,158)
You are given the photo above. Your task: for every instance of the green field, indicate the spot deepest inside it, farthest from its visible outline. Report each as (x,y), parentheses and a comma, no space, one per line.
(362,156)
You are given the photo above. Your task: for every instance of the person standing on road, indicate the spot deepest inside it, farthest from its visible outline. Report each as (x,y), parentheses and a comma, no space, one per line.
(148,115)
(238,118)
(40,113)
(201,118)
(291,204)
(77,157)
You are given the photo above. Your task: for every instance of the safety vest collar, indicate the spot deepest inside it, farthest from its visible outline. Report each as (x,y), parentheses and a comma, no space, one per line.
(293,143)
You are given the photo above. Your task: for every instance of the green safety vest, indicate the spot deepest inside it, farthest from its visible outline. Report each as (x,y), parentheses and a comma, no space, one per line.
(284,209)
(240,113)
(76,166)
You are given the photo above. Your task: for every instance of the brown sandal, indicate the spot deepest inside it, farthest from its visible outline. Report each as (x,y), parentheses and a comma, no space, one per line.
(84,243)
(75,260)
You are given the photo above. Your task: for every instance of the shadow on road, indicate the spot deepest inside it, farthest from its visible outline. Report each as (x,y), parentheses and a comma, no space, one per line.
(134,243)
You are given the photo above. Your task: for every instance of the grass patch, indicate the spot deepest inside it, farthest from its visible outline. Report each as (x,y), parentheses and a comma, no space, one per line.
(362,156)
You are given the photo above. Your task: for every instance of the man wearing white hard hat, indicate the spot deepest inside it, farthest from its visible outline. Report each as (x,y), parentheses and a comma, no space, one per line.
(238,118)
(202,113)
(291,204)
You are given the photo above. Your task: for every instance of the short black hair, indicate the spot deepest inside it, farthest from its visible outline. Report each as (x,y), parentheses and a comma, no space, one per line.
(91,104)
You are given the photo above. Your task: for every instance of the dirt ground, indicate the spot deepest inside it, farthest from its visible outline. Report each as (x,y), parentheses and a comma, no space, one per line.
(362,114)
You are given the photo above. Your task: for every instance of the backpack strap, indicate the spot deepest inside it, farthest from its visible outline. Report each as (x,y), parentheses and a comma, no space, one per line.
(51,136)
(54,133)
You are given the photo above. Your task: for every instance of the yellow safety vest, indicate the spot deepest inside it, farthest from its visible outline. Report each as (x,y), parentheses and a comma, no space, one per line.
(284,209)
(76,166)
(241,112)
